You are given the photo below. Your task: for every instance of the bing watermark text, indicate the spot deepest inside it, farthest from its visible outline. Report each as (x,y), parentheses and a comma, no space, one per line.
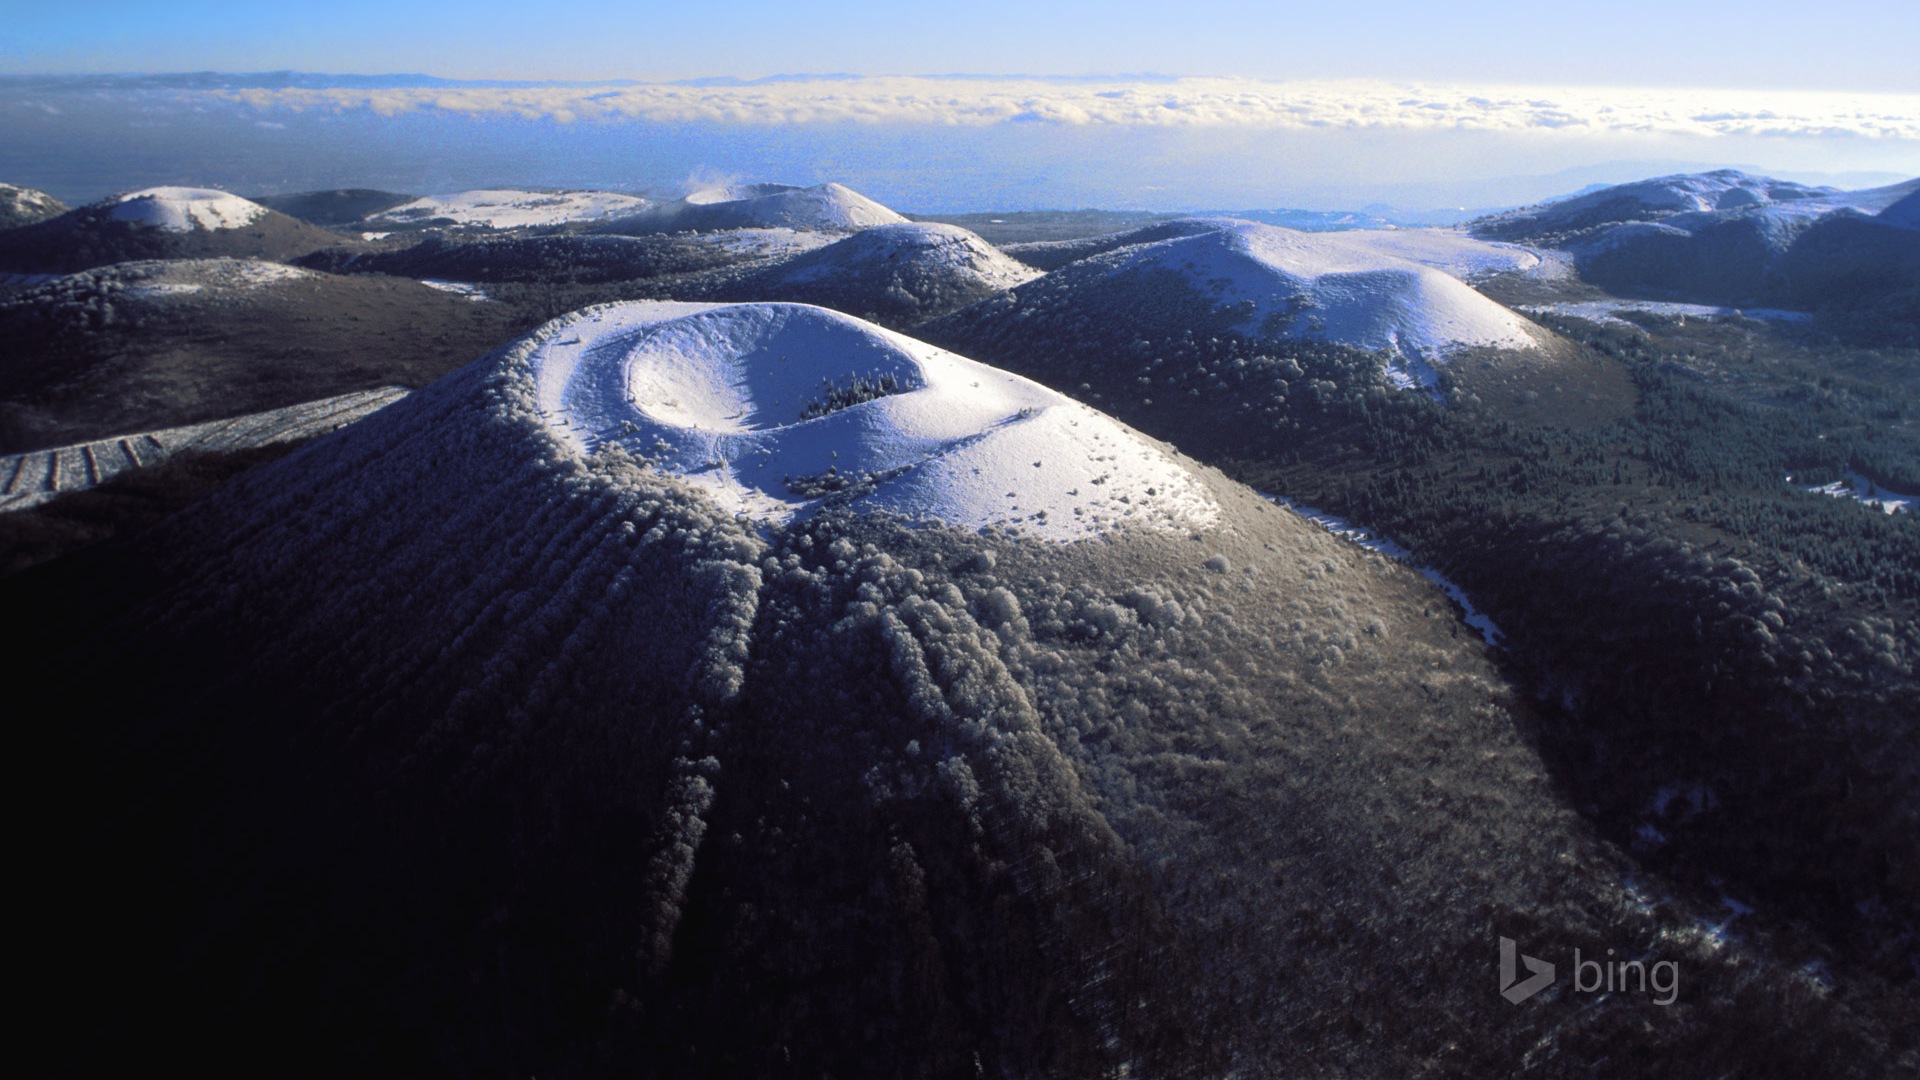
(1660,978)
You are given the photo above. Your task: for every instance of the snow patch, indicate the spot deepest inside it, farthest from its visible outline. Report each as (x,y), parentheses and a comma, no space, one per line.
(184,209)
(1608,312)
(717,393)
(467,289)
(1861,489)
(1448,250)
(764,242)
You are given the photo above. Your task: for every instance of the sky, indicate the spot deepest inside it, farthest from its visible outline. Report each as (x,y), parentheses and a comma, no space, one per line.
(1207,104)
(1840,44)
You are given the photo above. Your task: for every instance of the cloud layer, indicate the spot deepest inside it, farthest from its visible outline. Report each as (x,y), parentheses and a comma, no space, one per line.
(1188,103)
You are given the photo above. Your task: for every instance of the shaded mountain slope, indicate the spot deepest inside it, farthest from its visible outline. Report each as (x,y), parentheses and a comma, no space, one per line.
(136,346)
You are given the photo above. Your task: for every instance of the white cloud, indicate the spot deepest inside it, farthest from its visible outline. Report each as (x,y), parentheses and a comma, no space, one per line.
(1190,103)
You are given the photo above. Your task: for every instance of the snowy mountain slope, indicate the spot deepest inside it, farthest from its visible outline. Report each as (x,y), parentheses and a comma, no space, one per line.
(185,209)
(1273,282)
(721,394)
(1449,250)
(896,274)
(1724,238)
(735,193)
(828,207)
(24,206)
(32,478)
(1651,200)
(937,247)
(161,343)
(1796,256)
(512,209)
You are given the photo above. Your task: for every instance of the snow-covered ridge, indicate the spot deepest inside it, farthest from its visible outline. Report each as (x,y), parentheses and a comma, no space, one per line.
(1333,287)
(1722,189)
(34,477)
(717,394)
(514,209)
(185,209)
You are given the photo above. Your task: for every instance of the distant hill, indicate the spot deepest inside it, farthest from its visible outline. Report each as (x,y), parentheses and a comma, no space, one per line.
(1905,213)
(24,206)
(1652,200)
(1727,238)
(137,346)
(159,223)
(1258,282)
(894,274)
(826,207)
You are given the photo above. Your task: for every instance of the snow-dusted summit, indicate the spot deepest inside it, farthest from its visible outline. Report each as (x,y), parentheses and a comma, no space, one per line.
(1321,286)
(185,209)
(948,250)
(823,206)
(24,206)
(739,400)
(899,275)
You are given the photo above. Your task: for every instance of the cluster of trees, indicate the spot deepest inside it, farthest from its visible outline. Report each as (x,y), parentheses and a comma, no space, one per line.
(1700,620)
(853,390)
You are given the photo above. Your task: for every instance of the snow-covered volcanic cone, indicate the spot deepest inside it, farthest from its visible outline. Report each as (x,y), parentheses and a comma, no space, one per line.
(185,209)
(897,274)
(741,400)
(1256,282)
(826,207)
(1283,283)
(159,223)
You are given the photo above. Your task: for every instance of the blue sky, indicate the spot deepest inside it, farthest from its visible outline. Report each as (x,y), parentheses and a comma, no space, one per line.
(1212,104)
(1845,44)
